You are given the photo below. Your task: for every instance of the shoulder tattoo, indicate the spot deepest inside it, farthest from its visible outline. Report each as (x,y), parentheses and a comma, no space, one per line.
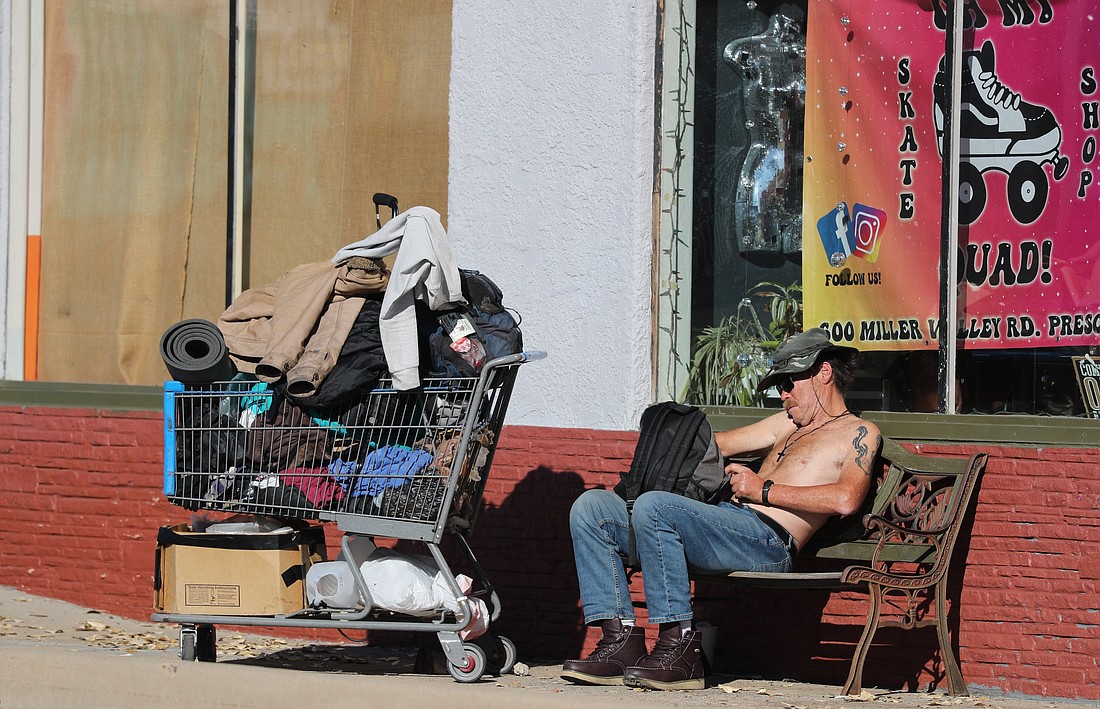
(863,457)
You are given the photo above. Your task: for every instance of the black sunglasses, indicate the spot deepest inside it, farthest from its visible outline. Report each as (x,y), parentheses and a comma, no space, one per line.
(786,384)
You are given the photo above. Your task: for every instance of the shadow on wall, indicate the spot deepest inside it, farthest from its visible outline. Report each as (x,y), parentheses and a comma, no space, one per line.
(523,544)
(767,633)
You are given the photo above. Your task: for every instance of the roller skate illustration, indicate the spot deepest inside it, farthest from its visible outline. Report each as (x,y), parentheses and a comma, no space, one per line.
(999,131)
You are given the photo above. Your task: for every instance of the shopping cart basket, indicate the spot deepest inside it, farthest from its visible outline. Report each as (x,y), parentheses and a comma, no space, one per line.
(403,465)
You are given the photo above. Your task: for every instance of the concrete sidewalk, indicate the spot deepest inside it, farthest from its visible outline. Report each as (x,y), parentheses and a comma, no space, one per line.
(54,655)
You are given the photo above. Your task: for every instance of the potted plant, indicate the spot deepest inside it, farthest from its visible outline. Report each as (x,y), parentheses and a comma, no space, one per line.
(730,358)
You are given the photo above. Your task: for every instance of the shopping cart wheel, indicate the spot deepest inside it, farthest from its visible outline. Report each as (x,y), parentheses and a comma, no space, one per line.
(508,655)
(206,649)
(187,644)
(500,651)
(198,643)
(475,664)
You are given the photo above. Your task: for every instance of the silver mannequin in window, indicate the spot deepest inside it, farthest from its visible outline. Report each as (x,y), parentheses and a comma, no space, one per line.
(768,202)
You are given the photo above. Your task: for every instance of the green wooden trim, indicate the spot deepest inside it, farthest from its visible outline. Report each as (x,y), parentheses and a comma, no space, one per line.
(68,395)
(1006,429)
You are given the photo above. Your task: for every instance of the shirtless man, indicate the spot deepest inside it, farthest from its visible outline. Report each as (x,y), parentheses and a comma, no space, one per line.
(816,462)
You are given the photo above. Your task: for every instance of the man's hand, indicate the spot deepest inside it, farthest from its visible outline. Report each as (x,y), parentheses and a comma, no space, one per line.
(746,484)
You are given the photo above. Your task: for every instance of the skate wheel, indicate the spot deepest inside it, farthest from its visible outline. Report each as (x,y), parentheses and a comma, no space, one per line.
(972,193)
(475,664)
(1027,191)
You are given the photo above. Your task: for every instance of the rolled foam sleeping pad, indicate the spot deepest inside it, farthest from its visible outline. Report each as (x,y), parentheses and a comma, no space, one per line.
(194,351)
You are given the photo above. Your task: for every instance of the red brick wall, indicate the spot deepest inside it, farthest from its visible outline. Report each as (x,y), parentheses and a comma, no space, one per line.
(80,505)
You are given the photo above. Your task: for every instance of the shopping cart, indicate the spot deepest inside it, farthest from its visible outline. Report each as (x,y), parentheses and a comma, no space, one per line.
(400,465)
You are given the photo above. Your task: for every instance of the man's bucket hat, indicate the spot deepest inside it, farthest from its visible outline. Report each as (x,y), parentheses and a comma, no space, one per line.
(797,354)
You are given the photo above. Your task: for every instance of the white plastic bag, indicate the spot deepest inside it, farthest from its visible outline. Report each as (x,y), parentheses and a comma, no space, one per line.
(414,585)
(403,584)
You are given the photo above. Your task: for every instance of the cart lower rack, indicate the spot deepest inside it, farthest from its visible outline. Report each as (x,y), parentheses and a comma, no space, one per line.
(400,465)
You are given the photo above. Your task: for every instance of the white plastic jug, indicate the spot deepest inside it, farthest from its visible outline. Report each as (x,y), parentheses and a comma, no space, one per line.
(330,583)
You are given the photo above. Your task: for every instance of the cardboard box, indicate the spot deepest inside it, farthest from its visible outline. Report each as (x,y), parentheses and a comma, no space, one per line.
(234,574)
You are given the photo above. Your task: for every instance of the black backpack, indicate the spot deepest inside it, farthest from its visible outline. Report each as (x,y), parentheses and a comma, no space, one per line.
(496,326)
(676,452)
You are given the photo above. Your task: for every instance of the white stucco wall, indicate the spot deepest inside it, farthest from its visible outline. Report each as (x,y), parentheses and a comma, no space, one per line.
(551,173)
(5,156)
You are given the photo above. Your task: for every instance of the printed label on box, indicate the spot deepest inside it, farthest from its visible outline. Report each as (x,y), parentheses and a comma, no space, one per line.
(206,594)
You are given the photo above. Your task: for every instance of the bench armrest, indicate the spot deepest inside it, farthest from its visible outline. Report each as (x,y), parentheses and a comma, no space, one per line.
(878,569)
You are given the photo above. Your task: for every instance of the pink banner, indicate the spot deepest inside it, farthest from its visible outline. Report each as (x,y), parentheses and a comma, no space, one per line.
(1028,195)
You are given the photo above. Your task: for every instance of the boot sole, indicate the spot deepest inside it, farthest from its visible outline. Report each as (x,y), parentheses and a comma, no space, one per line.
(582,678)
(698,683)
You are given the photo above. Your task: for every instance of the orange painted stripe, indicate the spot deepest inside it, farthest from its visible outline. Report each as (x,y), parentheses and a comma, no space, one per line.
(30,323)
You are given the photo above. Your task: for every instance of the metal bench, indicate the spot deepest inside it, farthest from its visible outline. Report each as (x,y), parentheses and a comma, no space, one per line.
(902,545)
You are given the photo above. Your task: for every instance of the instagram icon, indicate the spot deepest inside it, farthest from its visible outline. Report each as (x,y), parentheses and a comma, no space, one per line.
(866,230)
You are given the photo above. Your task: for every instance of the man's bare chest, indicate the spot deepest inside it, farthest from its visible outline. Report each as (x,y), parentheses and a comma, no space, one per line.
(813,459)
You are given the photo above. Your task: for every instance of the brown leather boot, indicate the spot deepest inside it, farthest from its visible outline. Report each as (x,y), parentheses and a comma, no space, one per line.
(675,663)
(620,647)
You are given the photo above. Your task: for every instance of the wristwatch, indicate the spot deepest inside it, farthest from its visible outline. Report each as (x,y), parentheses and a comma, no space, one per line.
(764,492)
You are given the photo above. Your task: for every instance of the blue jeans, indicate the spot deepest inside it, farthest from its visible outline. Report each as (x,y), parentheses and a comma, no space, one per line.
(673,534)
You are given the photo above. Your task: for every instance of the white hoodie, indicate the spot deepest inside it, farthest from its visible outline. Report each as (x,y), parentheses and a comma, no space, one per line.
(425,269)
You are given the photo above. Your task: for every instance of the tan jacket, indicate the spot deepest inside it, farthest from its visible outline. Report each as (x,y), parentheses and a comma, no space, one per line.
(297,325)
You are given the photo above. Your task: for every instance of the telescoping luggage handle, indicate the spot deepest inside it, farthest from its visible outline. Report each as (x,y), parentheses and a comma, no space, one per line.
(381,199)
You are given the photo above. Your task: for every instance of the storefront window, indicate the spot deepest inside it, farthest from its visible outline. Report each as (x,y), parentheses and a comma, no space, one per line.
(813,134)
(133,183)
(334,101)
